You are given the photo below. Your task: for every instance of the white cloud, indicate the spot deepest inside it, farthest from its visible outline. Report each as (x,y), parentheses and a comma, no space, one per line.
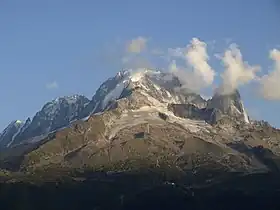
(137,45)
(133,57)
(198,58)
(189,81)
(270,83)
(52,85)
(237,72)
(196,72)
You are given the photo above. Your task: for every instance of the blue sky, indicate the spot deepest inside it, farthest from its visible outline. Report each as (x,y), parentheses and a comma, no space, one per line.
(57,47)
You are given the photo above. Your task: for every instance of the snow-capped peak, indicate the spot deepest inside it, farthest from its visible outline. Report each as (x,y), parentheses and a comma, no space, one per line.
(53,115)
(11,125)
(137,75)
(121,81)
(163,86)
(9,132)
(52,107)
(68,99)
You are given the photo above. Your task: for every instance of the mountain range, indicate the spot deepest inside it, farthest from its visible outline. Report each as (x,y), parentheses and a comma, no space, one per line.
(164,87)
(74,131)
(145,140)
(127,104)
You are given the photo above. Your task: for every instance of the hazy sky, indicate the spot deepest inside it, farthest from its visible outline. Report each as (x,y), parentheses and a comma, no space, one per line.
(61,47)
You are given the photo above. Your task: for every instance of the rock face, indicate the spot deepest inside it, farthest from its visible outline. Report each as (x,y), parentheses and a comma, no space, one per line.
(230,105)
(216,108)
(190,111)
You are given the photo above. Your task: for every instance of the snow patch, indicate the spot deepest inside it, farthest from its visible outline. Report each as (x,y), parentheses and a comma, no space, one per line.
(85,118)
(246,118)
(115,93)
(95,107)
(192,125)
(6,130)
(168,94)
(157,87)
(13,137)
(22,128)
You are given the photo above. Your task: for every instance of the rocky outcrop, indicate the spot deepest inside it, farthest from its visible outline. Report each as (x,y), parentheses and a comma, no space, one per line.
(230,105)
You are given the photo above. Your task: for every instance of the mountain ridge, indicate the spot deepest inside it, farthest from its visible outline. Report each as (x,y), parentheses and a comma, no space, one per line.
(119,114)
(145,139)
(125,104)
(116,87)
(48,115)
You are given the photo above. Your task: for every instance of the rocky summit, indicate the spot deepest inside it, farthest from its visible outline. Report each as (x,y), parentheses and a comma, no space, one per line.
(142,141)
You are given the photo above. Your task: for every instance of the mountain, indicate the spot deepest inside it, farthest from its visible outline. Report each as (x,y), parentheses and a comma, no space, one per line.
(164,85)
(145,104)
(54,115)
(60,112)
(142,135)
